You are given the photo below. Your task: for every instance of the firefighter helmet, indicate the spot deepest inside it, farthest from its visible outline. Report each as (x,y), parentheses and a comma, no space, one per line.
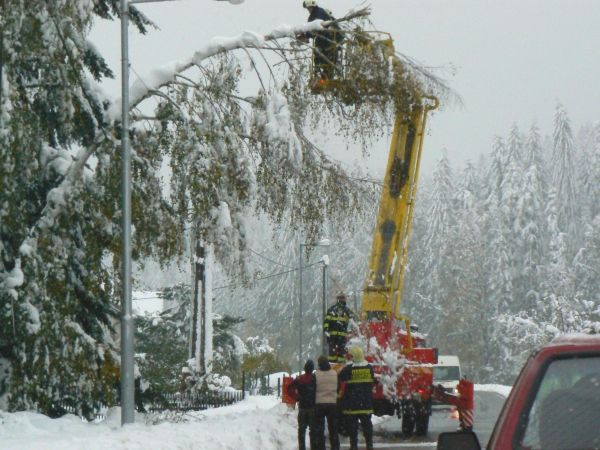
(309,3)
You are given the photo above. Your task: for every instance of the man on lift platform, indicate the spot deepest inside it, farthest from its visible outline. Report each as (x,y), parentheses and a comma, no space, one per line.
(326,42)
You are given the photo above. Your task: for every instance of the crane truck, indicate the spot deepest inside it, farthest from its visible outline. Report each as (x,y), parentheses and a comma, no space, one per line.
(399,356)
(402,362)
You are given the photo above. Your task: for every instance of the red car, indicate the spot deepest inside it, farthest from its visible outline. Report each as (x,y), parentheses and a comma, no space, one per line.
(554,403)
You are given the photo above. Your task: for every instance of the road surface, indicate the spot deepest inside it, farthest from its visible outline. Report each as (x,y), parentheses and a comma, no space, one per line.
(388,435)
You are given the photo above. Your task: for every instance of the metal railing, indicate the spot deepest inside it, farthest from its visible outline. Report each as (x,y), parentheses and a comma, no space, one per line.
(253,383)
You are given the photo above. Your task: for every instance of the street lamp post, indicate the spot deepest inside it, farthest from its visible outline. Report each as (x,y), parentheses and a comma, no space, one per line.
(127,370)
(321,243)
(325,261)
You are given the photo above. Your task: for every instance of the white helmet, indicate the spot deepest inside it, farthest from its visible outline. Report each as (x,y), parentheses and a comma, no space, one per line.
(309,3)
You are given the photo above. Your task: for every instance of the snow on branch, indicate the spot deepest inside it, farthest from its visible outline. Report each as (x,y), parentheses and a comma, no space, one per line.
(140,90)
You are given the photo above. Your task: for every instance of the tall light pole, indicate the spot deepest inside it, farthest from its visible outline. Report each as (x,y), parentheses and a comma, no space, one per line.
(127,371)
(325,261)
(321,243)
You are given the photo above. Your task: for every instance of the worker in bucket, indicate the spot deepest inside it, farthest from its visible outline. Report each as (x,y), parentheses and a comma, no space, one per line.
(326,42)
(335,328)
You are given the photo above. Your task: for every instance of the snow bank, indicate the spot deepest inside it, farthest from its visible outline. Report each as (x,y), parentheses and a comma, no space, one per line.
(256,423)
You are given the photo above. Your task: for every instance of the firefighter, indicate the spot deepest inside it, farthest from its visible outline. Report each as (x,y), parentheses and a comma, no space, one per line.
(356,397)
(326,42)
(335,328)
(303,388)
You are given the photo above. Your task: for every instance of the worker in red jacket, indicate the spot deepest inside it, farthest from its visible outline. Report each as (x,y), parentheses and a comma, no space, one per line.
(303,388)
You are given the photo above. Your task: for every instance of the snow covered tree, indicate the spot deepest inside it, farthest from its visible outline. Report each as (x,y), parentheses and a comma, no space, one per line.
(273,290)
(531,237)
(163,345)
(496,168)
(563,176)
(535,156)
(56,225)
(231,154)
(586,264)
(462,281)
(431,294)
(590,168)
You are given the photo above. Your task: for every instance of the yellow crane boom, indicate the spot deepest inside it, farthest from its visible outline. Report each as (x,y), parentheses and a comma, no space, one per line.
(387,264)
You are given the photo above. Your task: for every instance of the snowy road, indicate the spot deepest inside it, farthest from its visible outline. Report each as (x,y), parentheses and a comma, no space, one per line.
(256,423)
(388,435)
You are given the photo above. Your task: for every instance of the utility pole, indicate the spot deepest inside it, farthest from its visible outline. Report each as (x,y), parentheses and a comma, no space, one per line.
(324,348)
(198,270)
(301,262)
(322,243)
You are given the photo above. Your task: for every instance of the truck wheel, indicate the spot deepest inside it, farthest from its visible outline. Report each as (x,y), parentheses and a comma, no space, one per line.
(408,421)
(422,422)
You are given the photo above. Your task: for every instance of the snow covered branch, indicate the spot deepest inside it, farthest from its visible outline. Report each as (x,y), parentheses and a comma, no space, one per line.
(142,89)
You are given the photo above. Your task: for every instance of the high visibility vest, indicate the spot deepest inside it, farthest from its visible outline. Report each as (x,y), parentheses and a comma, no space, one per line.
(357,381)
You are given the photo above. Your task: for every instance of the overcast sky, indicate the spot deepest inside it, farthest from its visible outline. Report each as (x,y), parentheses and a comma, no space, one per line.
(514,59)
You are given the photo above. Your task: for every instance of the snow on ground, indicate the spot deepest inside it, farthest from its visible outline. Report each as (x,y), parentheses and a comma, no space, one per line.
(259,422)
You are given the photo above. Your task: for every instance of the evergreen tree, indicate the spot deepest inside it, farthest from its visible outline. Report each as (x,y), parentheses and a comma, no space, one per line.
(590,168)
(431,293)
(57,227)
(563,176)
(587,263)
(163,345)
(534,157)
(529,218)
(496,168)
(462,281)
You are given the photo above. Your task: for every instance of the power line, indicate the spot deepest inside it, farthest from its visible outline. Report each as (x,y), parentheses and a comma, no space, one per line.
(272,275)
(269,259)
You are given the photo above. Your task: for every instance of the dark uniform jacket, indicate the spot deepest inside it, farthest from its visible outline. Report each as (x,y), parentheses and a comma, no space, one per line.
(306,387)
(336,320)
(324,38)
(357,381)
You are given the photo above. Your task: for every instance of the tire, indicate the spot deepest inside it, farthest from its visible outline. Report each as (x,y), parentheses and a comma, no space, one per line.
(422,422)
(408,420)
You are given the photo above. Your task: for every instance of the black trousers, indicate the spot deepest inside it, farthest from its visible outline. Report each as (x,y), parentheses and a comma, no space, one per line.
(330,412)
(337,348)
(325,58)
(306,419)
(367,427)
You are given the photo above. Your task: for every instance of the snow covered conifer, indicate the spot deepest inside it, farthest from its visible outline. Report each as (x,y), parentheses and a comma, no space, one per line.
(55,289)
(563,175)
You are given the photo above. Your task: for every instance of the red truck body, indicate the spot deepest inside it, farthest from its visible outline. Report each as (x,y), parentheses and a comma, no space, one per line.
(548,407)
(508,429)
(416,378)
